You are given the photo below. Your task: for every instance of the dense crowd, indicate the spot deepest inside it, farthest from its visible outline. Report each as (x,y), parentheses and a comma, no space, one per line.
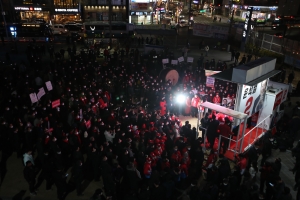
(117,121)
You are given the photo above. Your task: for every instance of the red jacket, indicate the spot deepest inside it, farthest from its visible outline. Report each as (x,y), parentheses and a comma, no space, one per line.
(176,157)
(147,169)
(224,130)
(184,168)
(163,108)
(216,100)
(195,101)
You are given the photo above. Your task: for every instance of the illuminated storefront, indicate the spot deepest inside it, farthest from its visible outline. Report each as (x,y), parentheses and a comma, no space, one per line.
(62,15)
(141,11)
(32,13)
(66,11)
(260,13)
(101,13)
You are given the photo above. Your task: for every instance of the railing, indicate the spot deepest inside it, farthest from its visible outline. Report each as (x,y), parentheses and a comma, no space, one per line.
(240,141)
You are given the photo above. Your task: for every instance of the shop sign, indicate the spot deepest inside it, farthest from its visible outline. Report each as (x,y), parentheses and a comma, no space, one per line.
(66,9)
(252,98)
(28,8)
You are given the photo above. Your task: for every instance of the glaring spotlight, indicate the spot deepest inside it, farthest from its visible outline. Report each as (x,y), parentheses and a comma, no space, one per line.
(180,99)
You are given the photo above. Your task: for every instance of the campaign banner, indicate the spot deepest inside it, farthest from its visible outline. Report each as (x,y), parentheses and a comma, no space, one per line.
(280,86)
(41,93)
(174,62)
(180,59)
(190,59)
(165,61)
(56,103)
(212,31)
(252,98)
(33,98)
(49,86)
(210,82)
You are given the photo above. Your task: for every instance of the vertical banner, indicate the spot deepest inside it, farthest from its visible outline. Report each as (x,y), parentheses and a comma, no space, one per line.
(210,82)
(247,27)
(252,98)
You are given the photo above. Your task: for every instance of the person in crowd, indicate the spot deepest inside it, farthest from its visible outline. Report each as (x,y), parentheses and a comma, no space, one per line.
(110,123)
(194,105)
(225,131)
(212,129)
(29,175)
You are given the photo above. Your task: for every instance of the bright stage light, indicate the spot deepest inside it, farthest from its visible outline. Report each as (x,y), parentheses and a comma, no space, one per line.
(180,99)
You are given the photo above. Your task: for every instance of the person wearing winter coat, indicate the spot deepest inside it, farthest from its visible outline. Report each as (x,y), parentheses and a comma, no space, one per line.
(29,175)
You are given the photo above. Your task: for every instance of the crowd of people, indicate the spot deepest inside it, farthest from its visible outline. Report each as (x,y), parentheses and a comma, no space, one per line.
(117,121)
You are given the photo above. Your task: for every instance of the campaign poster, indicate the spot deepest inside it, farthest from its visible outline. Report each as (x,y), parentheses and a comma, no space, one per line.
(252,98)
(210,82)
(41,93)
(49,86)
(33,98)
(56,103)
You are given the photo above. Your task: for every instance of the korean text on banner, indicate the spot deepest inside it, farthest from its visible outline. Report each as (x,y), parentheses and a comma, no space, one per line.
(49,86)
(33,98)
(56,103)
(210,82)
(252,98)
(41,93)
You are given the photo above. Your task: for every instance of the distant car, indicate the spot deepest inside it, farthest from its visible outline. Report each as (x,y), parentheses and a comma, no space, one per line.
(73,26)
(183,23)
(181,17)
(59,29)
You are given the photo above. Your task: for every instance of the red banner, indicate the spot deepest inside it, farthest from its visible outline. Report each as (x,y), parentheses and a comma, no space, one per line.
(56,103)
(278,100)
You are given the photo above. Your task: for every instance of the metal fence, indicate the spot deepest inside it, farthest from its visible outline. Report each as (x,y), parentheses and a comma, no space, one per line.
(278,44)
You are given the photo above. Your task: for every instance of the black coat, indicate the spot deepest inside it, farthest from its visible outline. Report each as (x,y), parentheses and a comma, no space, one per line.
(29,174)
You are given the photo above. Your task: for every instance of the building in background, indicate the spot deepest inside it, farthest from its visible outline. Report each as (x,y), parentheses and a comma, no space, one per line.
(31,10)
(289,7)
(142,11)
(66,11)
(263,10)
(98,10)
